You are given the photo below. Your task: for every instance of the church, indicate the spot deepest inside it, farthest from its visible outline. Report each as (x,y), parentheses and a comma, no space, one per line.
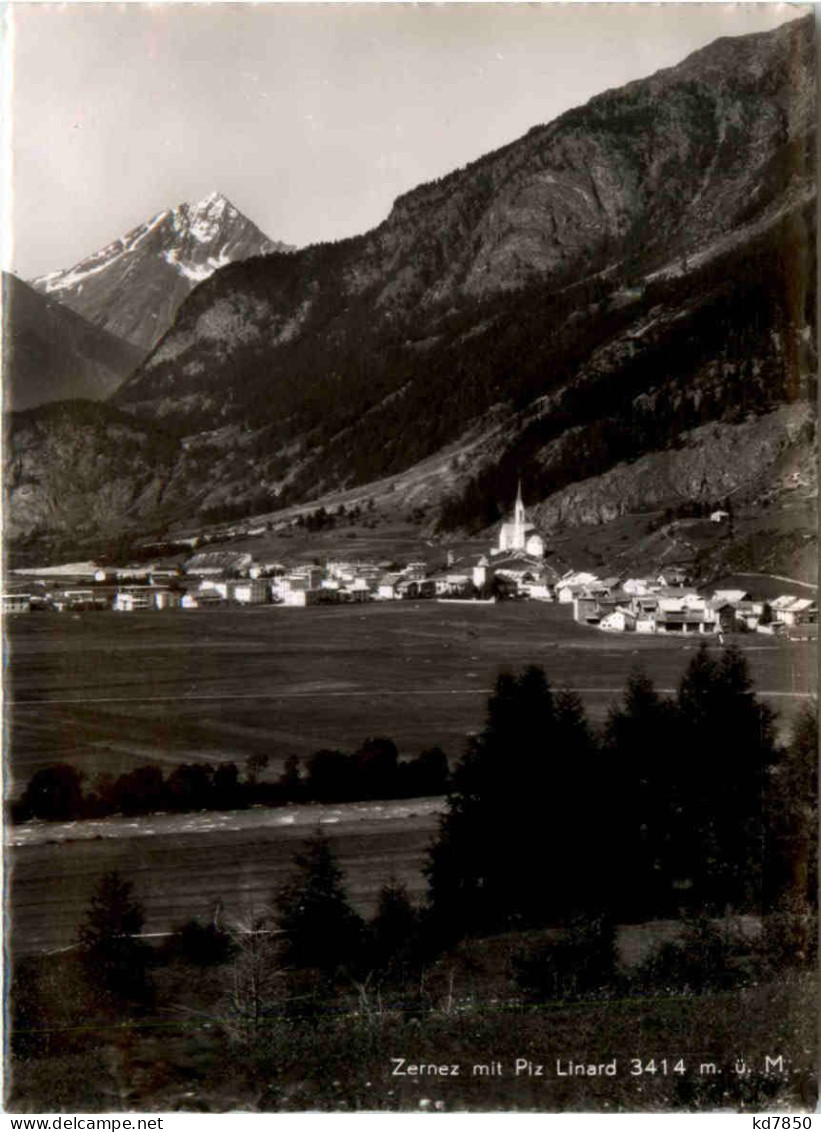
(518,534)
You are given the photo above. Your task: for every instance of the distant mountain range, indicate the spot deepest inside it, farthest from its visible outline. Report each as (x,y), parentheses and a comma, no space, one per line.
(50,353)
(632,280)
(133,286)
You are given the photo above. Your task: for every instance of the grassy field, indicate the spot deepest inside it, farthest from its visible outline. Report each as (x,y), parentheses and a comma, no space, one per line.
(108,692)
(182,865)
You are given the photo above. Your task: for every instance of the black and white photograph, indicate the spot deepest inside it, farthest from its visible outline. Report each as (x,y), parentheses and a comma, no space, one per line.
(409,558)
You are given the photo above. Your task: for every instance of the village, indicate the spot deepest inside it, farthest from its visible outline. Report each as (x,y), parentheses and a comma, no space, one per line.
(663,602)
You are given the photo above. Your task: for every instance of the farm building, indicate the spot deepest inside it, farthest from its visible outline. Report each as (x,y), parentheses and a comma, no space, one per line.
(17,603)
(795,610)
(145,597)
(130,600)
(167,599)
(568,592)
(251,592)
(80,599)
(673,576)
(731,596)
(748,613)
(636,586)
(726,614)
(685,621)
(217,563)
(203,599)
(620,620)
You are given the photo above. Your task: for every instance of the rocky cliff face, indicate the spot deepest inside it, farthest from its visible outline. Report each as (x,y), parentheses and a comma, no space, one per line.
(134,285)
(52,471)
(596,292)
(763,456)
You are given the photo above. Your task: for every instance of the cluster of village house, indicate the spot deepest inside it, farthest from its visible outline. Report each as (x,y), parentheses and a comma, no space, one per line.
(515,567)
(666,604)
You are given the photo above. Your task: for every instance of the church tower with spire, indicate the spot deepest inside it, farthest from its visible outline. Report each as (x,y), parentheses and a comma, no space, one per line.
(517,534)
(519,522)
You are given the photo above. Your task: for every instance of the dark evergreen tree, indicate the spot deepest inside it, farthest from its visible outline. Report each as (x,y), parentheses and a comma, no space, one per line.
(226,791)
(638,784)
(722,748)
(114,957)
(394,935)
(375,766)
(202,945)
(426,775)
(320,929)
(791,862)
(331,777)
(290,785)
(141,791)
(189,786)
(520,841)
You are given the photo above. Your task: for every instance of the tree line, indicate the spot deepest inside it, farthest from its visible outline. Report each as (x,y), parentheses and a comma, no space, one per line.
(373,771)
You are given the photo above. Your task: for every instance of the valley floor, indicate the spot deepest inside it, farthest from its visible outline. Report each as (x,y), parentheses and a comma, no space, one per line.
(109,692)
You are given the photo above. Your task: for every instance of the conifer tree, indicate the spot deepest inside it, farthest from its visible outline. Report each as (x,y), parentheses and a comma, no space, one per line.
(114,956)
(394,933)
(638,779)
(519,839)
(320,929)
(722,747)
(792,818)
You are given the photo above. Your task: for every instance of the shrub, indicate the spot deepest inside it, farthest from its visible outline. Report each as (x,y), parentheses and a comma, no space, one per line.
(582,961)
(203,945)
(704,957)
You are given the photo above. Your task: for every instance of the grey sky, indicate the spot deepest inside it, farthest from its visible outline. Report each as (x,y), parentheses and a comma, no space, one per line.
(311,118)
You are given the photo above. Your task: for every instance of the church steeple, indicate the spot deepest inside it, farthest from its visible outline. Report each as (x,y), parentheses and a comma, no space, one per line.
(519,520)
(517,534)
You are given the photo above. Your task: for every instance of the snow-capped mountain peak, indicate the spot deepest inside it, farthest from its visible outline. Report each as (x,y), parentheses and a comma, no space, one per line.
(134,285)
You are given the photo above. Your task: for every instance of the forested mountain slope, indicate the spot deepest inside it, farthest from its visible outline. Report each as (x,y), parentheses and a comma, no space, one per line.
(588,295)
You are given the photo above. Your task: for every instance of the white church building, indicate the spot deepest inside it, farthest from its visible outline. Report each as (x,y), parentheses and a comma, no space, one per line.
(519,534)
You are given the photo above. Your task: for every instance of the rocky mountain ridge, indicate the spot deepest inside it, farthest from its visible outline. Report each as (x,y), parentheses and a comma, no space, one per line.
(598,292)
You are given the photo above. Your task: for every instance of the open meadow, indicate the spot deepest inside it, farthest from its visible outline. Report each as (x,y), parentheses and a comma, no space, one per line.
(183,865)
(108,692)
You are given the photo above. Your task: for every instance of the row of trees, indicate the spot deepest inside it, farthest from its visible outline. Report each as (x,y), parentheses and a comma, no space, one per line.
(374,771)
